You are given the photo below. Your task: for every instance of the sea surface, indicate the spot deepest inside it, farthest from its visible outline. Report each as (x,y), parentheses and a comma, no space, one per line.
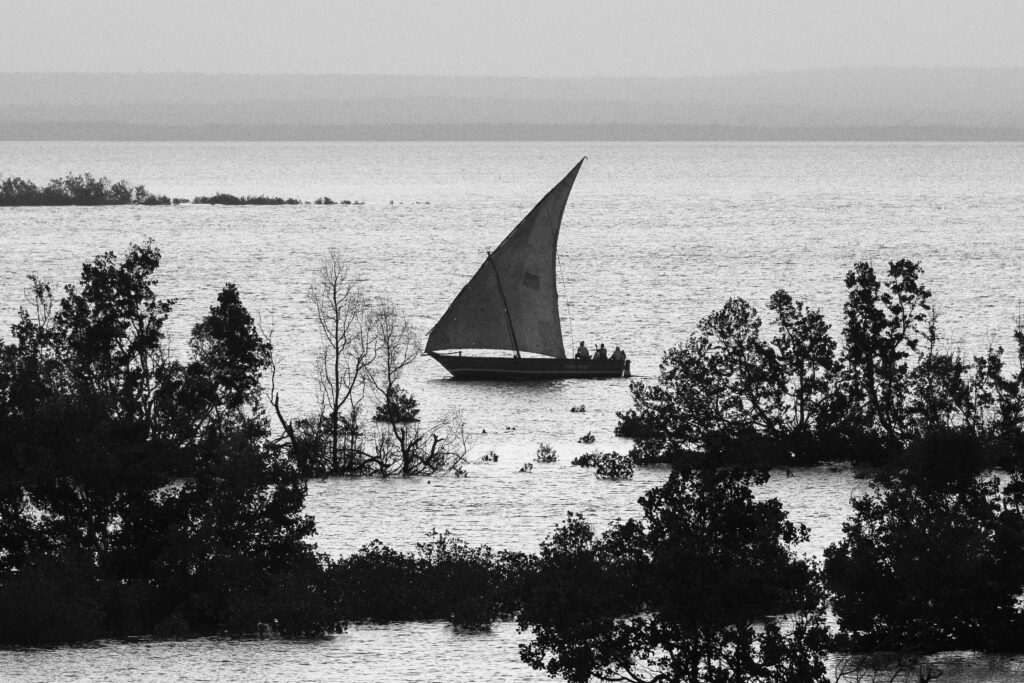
(655,236)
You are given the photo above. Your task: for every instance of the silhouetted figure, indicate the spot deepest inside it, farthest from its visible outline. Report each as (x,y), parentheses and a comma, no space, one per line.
(618,354)
(583,353)
(601,353)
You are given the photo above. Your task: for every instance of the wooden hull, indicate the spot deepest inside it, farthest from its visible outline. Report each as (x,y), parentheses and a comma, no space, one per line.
(484,367)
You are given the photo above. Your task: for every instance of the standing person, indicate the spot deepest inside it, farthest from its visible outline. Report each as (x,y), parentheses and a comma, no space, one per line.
(583,353)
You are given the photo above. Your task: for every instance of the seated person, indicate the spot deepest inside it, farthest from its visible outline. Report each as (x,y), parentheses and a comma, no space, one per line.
(618,354)
(601,353)
(583,353)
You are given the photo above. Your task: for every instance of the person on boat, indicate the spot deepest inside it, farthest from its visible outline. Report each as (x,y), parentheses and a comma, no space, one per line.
(601,353)
(618,354)
(583,353)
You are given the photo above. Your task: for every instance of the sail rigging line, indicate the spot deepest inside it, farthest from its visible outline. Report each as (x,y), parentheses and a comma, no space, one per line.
(568,305)
(504,304)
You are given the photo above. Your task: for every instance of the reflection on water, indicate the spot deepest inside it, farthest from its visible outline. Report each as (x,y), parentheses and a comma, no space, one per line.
(655,236)
(366,653)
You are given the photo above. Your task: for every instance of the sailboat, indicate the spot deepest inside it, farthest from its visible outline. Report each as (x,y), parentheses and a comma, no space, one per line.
(511,305)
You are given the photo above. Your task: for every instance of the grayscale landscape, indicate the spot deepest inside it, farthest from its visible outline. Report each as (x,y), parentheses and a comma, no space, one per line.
(657,342)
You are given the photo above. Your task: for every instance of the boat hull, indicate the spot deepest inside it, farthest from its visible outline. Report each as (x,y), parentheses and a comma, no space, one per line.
(484,367)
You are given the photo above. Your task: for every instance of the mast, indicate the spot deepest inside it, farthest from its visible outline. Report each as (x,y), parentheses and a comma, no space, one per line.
(504,305)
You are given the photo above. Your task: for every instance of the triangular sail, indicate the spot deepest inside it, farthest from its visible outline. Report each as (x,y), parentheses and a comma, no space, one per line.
(523,269)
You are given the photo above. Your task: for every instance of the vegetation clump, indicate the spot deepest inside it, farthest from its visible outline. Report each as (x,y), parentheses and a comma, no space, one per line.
(245,200)
(365,344)
(141,493)
(729,394)
(614,465)
(587,459)
(442,579)
(681,594)
(76,190)
(931,558)
(545,454)
(399,406)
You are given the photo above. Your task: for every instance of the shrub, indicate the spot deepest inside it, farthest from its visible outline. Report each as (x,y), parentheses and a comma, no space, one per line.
(587,459)
(676,595)
(442,579)
(614,466)
(930,562)
(546,454)
(399,407)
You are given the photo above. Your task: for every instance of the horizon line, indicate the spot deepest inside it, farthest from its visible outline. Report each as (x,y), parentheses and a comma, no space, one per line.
(736,74)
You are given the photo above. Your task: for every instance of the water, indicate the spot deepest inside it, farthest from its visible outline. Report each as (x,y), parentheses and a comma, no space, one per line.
(655,236)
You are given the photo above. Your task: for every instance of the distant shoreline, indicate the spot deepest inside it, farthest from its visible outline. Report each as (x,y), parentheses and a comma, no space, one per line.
(120,132)
(872,104)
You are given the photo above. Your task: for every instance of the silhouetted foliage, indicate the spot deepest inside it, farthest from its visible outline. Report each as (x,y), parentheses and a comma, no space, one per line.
(365,345)
(676,595)
(614,465)
(931,559)
(546,454)
(141,491)
(442,579)
(730,395)
(398,406)
(76,190)
(245,200)
(587,459)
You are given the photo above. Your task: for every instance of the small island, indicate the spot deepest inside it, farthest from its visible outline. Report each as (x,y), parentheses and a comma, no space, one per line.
(87,190)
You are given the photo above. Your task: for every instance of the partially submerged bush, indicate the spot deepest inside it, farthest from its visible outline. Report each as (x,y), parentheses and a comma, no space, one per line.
(442,579)
(587,459)
(680,594)
(399,406)
(930,563)
(545,453)
(614,466)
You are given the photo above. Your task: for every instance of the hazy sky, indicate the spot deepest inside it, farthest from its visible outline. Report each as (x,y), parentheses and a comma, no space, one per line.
(507,37)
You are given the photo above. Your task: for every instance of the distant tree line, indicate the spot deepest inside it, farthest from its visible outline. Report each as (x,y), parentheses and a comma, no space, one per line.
(731,393)
(77,190)
(253,200)
(87,190)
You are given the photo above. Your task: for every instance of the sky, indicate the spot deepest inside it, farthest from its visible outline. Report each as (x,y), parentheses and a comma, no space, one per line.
(537,38)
